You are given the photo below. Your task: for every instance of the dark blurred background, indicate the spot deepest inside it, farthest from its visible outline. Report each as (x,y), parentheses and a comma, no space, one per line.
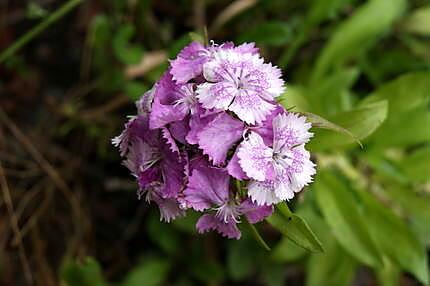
(69,213)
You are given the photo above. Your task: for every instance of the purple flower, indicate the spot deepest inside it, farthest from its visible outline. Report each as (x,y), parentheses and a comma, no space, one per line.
(172,102)
(283,169)
(242,83)
(216,104)
(159,170)
(208,189)
(189,62)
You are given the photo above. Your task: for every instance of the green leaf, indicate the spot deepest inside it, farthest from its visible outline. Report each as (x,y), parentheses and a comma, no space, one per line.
(417,164)
(318,12)
(407,92)
(418,22)
(324,9)
(384,166)
(408,117)
(356,34)
(334,267)
(404,129)
(415,206)
(296,229)
(273,33)
(87,273)
(150,272)
(361,122)
(406,249)
(126,52)
(319,122)
(347,222)
(389,275)
(330,95)
(287,251)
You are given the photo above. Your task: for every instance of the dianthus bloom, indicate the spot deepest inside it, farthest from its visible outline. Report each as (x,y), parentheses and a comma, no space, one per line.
(210,120)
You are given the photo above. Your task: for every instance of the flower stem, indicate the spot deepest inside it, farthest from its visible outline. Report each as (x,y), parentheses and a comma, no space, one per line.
(27,37)
(284,209)
(257,236)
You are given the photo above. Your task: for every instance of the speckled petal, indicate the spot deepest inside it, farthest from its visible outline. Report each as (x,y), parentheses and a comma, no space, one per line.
(290,130)
(255,157)
(262,193)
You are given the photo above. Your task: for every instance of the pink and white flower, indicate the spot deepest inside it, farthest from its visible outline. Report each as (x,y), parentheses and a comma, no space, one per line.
(279,171)
(242,83)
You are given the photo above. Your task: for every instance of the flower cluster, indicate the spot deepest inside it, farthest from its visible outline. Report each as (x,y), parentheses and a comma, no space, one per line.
(210,124)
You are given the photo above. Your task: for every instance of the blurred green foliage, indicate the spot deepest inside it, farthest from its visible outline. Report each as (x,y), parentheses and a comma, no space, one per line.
(362,65)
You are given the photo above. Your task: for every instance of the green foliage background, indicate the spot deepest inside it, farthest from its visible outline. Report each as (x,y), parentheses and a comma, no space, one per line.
(364,66)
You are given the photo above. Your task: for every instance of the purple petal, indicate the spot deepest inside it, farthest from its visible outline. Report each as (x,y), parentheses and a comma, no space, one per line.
(247,48)
(140,156)
(253,212)
(172,168)
(206,187)
(136,127)
(209,222)
(265,128)
(146,178)
(234,169)
(218,136)
(169,140)
(180,129)
(197,122)
(164,108)
(169,208)
(144,103)
(189,63)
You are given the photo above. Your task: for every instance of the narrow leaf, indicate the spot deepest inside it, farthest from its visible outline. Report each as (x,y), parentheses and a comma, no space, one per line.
(371,21)
(319,122)
(342,213)
(406,250)
(361,122)
(297,230)
(257,236)
(334,267)
(418,22)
